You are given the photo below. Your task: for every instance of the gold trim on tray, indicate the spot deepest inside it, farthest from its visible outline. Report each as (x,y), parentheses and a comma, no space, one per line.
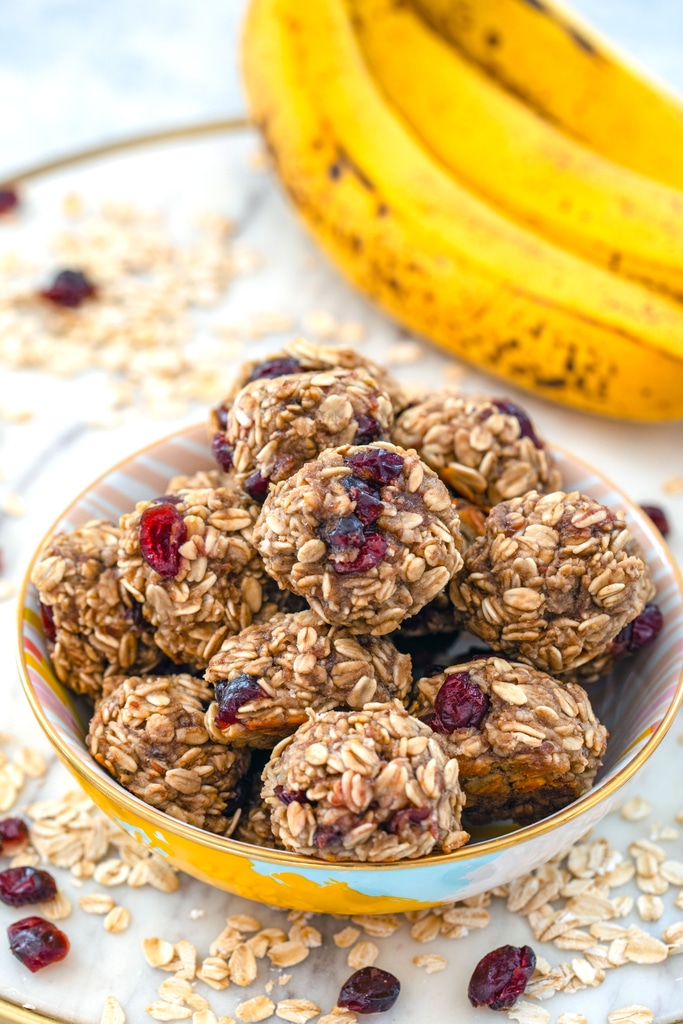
(11,1013)
(292,860)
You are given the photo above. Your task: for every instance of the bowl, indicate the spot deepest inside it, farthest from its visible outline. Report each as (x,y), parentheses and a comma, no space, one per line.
(637,704)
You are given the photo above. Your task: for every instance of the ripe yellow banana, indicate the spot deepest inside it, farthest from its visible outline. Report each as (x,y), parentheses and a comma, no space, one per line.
(545,54)
(438,258)
(500,149)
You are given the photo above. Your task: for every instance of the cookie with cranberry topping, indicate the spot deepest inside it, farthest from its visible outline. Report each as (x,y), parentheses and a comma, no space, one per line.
(149,734)
(553,580)
(301,356)
(367,535)
(486,449)
(189,558)
(268,676)
(275,425)
(526,744)
(371,785)
(93,626)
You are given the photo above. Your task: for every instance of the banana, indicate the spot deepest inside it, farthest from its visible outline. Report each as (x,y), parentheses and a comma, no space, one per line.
(432,254)
(546,55)
(502,150)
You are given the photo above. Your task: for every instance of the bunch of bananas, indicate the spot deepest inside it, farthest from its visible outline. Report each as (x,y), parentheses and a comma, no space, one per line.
(493,177)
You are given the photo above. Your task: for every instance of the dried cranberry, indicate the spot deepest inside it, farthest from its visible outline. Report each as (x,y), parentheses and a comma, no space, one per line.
(501,976)
(326,834)
(459,704)
(275,368)
(525,425)
(368,505)
(368,429)
(231,695)
(37,942)
(19,886)
(347,533)
(162,534)
(13,836)
(256,486)
(409,814)
(222,451)
(658,517)
(645,628)
(376,464)
(9,199)
(370,554)
(291,796)
(70,288)
(369,990)
(47,616)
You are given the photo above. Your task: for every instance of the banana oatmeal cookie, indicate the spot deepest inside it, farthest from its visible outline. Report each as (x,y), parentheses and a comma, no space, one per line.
(149,734)
(275,425)
(368,535)
(93,626)
(553,581)
(301,356)
(268,676)
(485,448)
(371,785)
(189,558)
(526,744)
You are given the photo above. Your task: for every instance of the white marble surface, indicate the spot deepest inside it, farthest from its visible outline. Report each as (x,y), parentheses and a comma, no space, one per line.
(74,73)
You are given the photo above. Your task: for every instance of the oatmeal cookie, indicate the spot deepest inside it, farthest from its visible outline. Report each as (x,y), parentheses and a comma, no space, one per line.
(149,734)
(370,785)
(93,626)
(254,821)
(367,535)
(275,425)
(301,356)
(485,448)
(267,676)
(553,580)
(190,560)
(638,634)
(200,481)
(526,744)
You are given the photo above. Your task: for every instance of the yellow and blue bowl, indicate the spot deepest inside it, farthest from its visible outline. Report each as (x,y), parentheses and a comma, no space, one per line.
(638,704)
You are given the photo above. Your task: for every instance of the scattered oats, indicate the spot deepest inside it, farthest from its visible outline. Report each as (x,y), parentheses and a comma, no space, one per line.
(187,954)
(427,929)
(351,332)
(635,809)
(168,1011)
(673,486)
(298,1011)
(228,940)
(56,909)
(431,962)
(256,1009)
(31,762)
(157,952)
(631,1015)
(379,927)
(339,1016)
(287,954)
(650,908)
(7,590)
(242,964)
(195,914)
(16,413)
(320,324)
(161,875)
(672,871)
(621,874)
(111,872)
(622,905)
(97,903)
(244,923)
(572,1018)
(13,505)
(204,1017)
(214,972)
(673,936)
(284,978)
(363,954)
(403,353)
(175,990)
(112,1012)
(72,205)
(117,920)
(306,934)
(346,937)
(642,948)
(528,1013)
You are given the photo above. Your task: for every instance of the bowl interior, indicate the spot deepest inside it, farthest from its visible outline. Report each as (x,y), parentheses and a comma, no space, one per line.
(631,703)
